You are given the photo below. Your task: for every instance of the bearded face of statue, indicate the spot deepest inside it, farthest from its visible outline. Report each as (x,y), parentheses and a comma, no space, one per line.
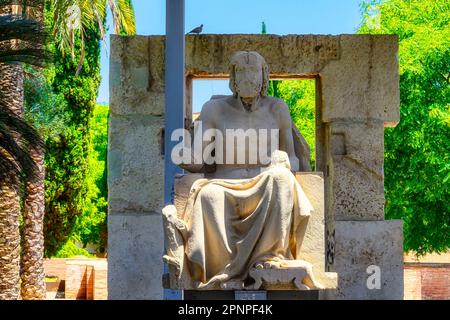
(249,75)
(249,79)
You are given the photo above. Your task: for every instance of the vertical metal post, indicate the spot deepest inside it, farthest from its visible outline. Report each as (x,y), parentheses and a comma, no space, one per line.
(174,109)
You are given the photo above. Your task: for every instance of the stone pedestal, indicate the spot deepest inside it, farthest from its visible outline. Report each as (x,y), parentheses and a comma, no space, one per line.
(251,295)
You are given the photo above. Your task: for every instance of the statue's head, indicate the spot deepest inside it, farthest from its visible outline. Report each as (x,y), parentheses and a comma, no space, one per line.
(249,74)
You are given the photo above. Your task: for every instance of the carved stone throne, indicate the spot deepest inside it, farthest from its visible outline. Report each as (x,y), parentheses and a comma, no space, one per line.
(311,275)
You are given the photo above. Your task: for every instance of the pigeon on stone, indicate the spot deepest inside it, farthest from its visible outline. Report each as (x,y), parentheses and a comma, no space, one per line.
(196,30)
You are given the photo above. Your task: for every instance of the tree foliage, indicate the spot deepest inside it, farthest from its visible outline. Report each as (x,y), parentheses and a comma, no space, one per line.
(90,227)
(73,20)
(47,111)
(417,150)
(67,186)
(44,109)
(299,95)
(75,163)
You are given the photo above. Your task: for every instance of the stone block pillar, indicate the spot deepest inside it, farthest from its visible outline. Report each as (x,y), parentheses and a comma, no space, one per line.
(360,96)
(135,169)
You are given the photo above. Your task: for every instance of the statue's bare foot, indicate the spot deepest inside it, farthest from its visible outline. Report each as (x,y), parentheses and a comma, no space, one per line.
(274,263)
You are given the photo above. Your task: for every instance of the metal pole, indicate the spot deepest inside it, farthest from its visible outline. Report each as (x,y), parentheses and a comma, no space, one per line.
(174,109)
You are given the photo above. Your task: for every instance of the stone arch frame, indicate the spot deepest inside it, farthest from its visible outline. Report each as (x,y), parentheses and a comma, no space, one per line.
(357,86)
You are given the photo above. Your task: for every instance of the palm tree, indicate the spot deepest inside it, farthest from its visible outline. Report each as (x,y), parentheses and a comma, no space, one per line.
(9,188)
(73,17)
(15,162)
(32,255)
(21,41)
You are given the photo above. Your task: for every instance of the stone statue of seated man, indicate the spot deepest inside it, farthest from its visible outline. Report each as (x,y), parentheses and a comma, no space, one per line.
(246,216)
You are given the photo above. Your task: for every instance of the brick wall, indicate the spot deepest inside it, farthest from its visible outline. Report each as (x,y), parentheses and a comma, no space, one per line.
(427,281)
(413,283)
(83,278)
(76,276)
(55,268)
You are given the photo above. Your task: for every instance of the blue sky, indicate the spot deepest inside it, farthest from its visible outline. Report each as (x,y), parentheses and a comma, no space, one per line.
(242,16)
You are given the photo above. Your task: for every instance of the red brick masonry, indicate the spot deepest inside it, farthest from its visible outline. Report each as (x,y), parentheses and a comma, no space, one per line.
(427,281)
(84,278)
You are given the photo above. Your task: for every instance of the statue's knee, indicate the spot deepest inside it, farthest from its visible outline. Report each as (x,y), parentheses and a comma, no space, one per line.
(210,191)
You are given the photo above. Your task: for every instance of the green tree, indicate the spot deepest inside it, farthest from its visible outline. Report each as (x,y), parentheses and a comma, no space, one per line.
(299,95)
(66,186)
(91,225)
(417,150)
(71,193)
(44,109)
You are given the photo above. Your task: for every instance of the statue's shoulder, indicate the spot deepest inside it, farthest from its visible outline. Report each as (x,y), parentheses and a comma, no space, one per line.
(216,101)
(277,105)
(212,106)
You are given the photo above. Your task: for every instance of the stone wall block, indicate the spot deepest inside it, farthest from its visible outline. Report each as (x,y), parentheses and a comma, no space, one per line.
(135,249)
(357,182)
(363,84)
(361,244)
(136,75)
(135,164)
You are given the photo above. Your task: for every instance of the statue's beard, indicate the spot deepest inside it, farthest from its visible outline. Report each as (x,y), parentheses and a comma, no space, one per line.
(249,102)
(248,90)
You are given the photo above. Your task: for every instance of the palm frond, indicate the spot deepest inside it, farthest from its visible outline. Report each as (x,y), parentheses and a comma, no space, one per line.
(16,136)
(115,15)
(123,16)
(13,156)
(73,17)
(16,124)
(126,17)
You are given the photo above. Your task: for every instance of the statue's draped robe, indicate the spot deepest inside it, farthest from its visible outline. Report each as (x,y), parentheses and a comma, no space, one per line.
(234,223)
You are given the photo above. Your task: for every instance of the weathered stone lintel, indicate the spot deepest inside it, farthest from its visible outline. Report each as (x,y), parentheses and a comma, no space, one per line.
(286,55)
(359,73)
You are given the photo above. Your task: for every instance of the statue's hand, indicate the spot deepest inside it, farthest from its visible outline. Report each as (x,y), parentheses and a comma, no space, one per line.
(280,158)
